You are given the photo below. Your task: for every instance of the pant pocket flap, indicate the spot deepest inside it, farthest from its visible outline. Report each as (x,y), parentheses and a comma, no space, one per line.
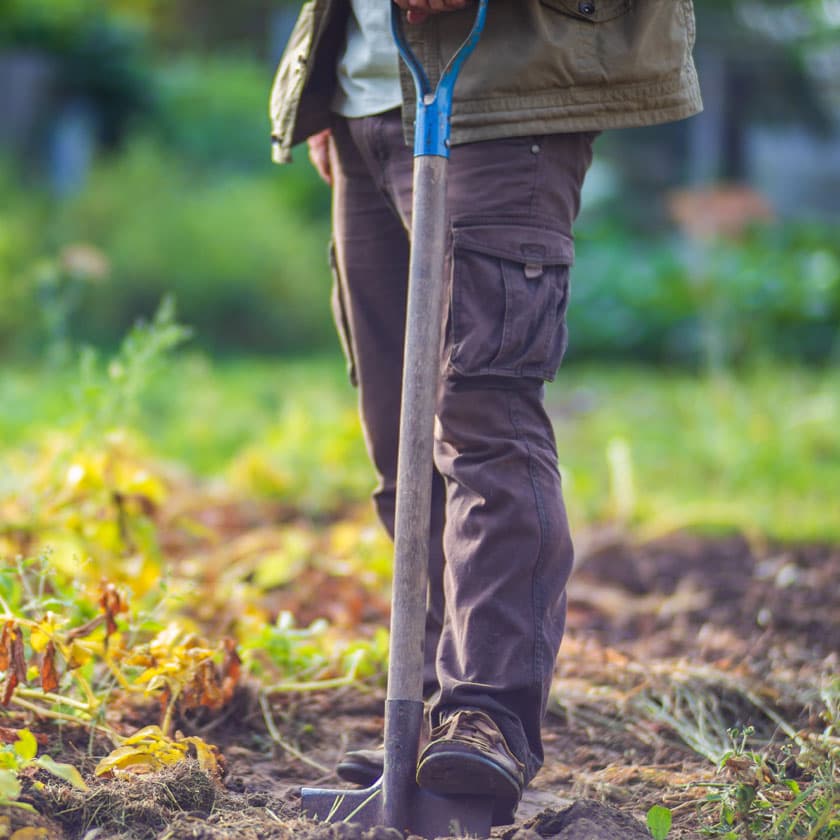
(519,243)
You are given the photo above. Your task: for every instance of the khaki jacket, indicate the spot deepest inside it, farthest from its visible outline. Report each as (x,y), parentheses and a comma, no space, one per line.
(541,67)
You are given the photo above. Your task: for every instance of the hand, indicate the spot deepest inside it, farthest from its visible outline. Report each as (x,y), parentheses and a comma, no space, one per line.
(319,154)
(419,10)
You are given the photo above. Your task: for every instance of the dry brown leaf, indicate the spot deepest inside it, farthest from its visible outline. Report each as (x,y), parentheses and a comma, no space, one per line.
(84,629)
(5,650)
(151,749)
(231,669)
(112,602)
(8,735)
(49,673)
(16,665)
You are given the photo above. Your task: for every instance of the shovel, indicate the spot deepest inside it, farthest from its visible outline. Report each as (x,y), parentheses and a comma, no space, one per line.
(395,800)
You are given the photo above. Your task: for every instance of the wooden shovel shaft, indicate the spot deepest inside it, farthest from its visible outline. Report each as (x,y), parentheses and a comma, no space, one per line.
(421,375)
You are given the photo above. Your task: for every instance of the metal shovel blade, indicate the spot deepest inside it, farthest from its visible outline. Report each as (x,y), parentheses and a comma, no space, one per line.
(428,815)
(395,800)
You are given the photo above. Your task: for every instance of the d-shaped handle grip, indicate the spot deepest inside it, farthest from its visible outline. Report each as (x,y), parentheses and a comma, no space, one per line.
(434,107)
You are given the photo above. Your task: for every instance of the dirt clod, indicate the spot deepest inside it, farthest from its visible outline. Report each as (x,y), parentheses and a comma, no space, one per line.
(585,820)
(137,807)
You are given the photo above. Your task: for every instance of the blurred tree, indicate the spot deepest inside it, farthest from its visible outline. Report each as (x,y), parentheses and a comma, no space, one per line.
(756,60)
(95,57)
(750,56)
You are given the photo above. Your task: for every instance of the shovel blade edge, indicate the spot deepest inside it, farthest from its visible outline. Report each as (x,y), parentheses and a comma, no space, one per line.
(429,815)
(363,807)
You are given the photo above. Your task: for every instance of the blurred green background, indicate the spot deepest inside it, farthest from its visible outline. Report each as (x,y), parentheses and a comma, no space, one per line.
(135,163)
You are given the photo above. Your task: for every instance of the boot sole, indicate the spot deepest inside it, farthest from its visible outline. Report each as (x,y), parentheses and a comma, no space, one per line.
(457,773)
(360,773)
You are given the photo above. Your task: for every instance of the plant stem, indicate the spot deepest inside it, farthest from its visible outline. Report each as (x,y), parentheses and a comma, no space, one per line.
(271,726)
(49,713)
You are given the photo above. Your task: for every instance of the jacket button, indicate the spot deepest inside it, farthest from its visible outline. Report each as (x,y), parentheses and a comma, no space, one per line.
(586,8)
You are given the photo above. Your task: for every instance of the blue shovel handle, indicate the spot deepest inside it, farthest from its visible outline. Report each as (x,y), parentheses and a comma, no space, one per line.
(434,107)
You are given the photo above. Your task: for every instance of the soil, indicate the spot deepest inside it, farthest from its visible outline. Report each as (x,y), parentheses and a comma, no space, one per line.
(730,620)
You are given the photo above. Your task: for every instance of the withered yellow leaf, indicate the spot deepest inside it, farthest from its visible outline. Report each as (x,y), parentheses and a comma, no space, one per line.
(31,833)
(206,755)
(149,750)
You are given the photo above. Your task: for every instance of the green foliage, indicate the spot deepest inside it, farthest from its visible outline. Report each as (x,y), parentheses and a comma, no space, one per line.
(756,450)
(247,268)
(293,658)
(88,493)
(659,822)
(244,254)
(108,398)
(98,55)
(776,293)
(22,755)
(20,255)
(87,502)
(789,792)
(311,458)
(212,111)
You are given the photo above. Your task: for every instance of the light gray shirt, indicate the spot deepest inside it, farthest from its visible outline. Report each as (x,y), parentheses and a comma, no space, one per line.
(368,71)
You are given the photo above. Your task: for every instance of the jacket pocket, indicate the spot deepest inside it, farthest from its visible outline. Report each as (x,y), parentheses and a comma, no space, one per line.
(596,11)
(510,288)
(342,321)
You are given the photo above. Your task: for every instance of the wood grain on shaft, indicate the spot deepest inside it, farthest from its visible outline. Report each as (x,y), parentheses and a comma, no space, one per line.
(414,472)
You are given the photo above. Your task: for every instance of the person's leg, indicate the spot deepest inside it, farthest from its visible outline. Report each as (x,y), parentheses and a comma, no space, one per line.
(371,262)
(507,544)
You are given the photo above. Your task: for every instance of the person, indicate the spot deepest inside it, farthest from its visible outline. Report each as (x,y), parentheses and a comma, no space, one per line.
(546,78)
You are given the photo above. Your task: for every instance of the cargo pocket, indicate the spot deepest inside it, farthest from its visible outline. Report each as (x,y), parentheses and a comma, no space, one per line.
(339,311)
(510,289)
(597,11)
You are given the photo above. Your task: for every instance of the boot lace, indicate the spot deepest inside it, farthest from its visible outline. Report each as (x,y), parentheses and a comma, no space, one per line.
(473,728)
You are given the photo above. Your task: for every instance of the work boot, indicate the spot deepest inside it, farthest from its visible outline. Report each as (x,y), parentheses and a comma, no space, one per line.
(468,756)
(364,767)
(361,767)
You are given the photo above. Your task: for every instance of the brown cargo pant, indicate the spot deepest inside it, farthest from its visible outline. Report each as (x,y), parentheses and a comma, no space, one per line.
(501,553)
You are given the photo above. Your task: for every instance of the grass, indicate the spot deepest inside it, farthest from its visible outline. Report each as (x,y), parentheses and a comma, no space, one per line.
(758,451)
(656,450)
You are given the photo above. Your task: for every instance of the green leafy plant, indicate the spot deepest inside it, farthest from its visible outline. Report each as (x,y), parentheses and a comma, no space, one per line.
(782,792)
(108,398)
(22,755)
(289,658)
(659,822)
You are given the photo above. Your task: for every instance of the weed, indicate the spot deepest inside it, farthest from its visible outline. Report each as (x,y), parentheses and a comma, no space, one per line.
(107,399)
(22,754)
(781,791)
(659,822)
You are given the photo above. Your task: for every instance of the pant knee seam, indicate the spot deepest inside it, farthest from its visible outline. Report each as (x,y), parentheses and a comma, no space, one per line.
(536,596)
